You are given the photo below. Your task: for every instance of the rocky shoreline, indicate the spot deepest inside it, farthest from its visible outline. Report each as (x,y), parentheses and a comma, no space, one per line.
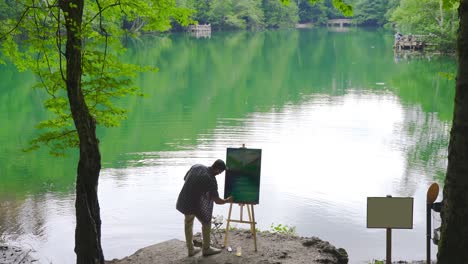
(15,255)
(273,248)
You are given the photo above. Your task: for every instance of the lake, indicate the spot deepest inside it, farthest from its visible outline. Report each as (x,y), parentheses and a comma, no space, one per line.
(339,118)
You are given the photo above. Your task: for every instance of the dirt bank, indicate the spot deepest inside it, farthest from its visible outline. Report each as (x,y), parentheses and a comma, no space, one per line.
(272,248)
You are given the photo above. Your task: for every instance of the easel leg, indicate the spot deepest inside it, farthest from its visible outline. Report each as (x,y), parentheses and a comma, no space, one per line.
(241,211)
(250,218)
(254,230)
(227,225)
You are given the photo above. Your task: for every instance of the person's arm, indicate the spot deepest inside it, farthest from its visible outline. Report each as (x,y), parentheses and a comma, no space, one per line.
(218,200)
(214,195)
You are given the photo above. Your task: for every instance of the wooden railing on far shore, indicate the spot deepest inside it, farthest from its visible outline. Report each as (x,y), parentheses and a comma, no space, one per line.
(199,28)
(409,42)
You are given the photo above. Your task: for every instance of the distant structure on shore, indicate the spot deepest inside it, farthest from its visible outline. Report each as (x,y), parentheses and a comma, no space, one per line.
(337,24)
(408,42)
(342,22)
(305,25)
(200,31)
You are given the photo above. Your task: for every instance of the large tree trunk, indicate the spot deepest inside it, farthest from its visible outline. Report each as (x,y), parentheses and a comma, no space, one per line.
(453,247)
(88,221)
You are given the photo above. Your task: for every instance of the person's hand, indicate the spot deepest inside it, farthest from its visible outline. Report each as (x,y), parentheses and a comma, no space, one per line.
(230,199)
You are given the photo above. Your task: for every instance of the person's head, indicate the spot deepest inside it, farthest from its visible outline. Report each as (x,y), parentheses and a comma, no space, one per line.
(218,167)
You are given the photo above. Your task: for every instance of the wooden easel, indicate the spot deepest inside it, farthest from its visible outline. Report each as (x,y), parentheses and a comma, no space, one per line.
(251,221)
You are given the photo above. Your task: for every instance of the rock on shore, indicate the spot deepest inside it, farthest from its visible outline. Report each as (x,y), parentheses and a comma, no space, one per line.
(272,249)
(15,255)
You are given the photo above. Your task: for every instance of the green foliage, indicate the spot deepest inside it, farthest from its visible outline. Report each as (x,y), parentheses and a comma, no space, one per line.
(279,15)
(344,8)
(254,14)
(104,77)
(436,19)
(313,12)
(8,9)
(221,15)
(283,229)
(250,11)
(450,3)
(447,75)
(371,12)
(228,14)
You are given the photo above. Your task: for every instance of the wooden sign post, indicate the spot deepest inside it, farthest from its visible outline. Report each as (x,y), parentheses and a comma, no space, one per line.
(432,194)
(390,212)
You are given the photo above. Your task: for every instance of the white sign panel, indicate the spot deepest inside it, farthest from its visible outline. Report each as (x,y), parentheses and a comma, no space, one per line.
(390,212)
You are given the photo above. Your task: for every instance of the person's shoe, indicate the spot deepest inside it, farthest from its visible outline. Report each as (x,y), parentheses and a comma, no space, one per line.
(211,251)
(194,251)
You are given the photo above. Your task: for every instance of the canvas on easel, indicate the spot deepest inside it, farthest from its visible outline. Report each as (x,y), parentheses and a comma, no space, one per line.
(243,184)
(243,175)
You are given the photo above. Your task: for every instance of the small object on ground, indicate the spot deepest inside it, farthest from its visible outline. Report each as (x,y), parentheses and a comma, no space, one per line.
(229,249)
(380,83)
(197,243)
(239,251)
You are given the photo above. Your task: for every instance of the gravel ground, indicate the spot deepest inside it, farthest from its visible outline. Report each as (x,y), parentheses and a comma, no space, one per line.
(272,248)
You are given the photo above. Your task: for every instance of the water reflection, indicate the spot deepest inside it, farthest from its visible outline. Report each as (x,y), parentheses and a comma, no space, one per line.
(337,121)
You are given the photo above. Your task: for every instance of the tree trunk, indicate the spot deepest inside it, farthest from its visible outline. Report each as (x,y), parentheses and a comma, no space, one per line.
(441,10)
(454,233)
(88,221)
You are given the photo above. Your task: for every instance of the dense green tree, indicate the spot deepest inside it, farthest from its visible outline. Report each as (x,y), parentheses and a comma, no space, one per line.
(280,15)
(220,15)
(8,9)
(391,6)
(251,12)
(202,8)
(226,14)
(430,18)
(312,12)
(371,12)
(333,10)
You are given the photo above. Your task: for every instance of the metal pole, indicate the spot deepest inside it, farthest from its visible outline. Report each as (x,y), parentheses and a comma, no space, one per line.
(432,194)
(389,243)
(428,232)
(389,246)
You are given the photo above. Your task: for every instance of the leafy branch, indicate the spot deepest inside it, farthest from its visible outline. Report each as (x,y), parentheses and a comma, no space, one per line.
(36,42)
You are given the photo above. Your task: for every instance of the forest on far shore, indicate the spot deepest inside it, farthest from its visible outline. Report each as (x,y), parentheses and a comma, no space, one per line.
(418,17)
(432,18)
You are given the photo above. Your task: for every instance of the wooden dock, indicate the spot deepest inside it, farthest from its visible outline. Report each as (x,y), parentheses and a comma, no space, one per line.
(200,31)
(305,25)
(199,28)
(340,22)
(409,42)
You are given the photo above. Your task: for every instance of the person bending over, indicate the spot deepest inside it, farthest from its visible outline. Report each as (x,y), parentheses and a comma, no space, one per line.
(196,199)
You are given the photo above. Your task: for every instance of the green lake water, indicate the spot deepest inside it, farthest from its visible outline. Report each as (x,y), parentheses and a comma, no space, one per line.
(339,117)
